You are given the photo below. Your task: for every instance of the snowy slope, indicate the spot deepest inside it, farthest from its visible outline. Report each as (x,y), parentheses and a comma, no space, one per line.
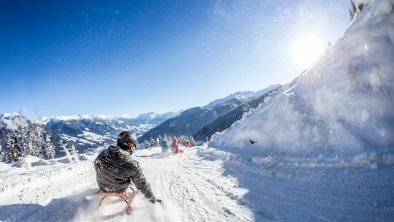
(193,190)
(342,106)
(324,152)
(202,184)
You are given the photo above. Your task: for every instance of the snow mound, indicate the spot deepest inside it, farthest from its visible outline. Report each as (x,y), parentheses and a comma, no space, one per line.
(83,157)
(67,159)
(23,163)
(4,167)
(342,105)
(41,162)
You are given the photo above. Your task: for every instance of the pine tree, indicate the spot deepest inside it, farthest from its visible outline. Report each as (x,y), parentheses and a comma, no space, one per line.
(64,147)
(192,141)
(146,144)
(1,153)
(14,147)
(48,148)
(73,151)
(355,9)
(36,140)
(6,152)
(152,142)
(165,138)
(23,140)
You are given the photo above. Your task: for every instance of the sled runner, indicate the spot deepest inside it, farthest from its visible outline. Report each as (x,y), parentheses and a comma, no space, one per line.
(125,197)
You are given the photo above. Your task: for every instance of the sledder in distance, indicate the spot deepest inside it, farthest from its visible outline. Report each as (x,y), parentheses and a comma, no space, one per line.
(175,147)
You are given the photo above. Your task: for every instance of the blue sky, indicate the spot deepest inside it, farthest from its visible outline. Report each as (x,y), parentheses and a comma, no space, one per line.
(132,57)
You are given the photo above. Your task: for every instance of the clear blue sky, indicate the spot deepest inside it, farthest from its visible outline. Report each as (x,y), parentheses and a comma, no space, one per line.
(131,57)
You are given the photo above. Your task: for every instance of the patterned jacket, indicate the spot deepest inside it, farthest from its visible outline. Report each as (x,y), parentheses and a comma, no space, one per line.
(115,170)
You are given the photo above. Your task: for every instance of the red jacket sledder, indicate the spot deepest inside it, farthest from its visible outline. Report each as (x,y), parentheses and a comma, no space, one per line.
(175,147)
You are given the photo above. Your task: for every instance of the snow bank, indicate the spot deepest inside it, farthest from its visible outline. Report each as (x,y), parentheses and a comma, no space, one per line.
(342,105)
(41,162)
(26,162)
(4,167)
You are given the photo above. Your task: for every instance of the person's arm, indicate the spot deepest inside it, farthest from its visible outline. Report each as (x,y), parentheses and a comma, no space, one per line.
(140,182)
(139,179)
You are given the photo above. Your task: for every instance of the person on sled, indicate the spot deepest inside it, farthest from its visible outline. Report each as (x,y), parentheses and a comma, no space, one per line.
(116,170)
(175,146)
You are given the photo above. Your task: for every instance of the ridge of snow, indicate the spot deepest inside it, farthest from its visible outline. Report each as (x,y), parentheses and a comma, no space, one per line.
(241,95)
(9,115)
(342,104)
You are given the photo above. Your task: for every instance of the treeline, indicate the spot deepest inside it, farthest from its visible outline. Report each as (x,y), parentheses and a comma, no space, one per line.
(155,142)
(32,139)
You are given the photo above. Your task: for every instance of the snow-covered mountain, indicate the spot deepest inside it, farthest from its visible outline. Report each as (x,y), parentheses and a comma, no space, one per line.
(243,96)
(191,120)
(225,121)
(341,107)
(91,131)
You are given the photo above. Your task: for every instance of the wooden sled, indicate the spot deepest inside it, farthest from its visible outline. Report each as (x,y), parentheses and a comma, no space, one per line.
(122,196)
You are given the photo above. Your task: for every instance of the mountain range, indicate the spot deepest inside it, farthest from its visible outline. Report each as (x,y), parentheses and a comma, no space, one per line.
(91,131)
(190,121)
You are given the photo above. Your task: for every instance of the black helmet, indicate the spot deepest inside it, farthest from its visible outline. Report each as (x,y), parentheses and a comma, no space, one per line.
(126,137)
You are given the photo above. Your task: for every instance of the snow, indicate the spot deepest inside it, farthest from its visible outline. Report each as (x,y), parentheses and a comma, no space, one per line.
(90,136)
(193,189)
(206,184)
(324,152)
(12,121)
(342,105)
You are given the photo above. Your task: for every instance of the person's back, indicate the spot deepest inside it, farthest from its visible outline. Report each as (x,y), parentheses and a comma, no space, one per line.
(115,169)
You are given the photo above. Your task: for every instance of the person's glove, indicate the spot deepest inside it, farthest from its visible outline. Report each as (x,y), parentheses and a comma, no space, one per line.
(155,200)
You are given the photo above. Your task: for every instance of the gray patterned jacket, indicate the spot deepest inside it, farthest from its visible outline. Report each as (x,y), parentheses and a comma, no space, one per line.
(115,170)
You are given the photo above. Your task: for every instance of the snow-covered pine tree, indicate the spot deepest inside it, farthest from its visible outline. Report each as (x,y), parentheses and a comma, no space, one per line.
(14,152)
(48,148)
(1,153)
(146,144)
(36,140)
(355,8)
(6,148)
(152,142)
(63,146)
(73,151)
(23,133)
(192,141)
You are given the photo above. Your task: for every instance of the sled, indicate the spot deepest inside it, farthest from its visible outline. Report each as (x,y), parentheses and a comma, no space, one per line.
(176,149)
(124,197)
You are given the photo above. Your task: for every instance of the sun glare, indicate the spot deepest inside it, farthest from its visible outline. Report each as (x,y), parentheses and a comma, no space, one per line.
(306,50)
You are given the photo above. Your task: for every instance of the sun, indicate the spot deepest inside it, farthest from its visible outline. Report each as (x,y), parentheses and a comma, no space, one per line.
(306,49)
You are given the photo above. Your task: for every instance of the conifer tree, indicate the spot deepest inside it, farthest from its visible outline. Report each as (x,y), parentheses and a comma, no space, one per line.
(14,146)
(48,148)
(152,142)
(146,144)
(63,146)
(23,140)
(36,140)
(73,151)
(1,153)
